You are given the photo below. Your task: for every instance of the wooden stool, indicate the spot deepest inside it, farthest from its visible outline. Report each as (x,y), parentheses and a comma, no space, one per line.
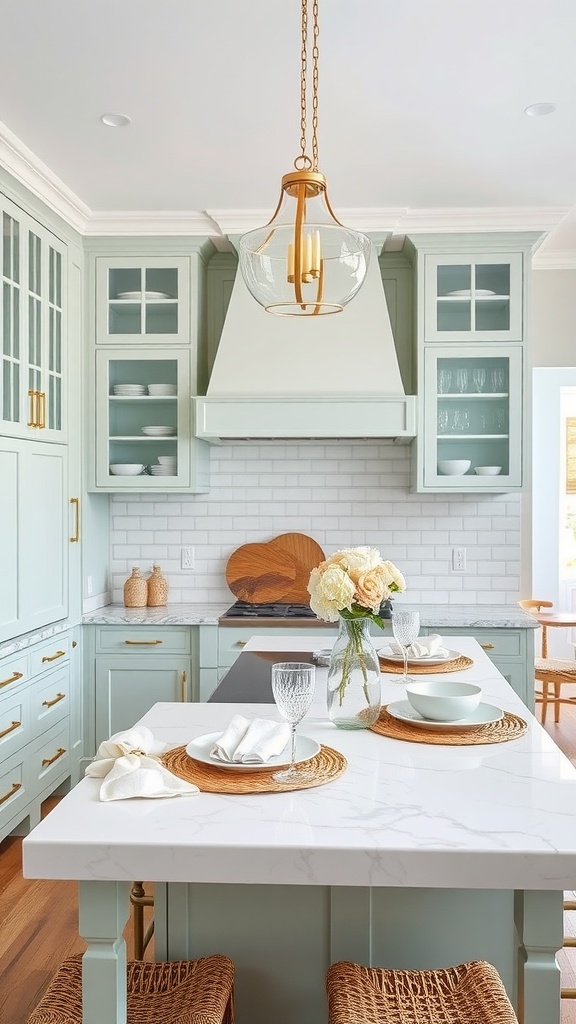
(182,992)
(471,993)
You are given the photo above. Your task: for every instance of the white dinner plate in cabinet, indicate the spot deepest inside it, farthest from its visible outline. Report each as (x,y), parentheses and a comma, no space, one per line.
(137,296)
(485,714)
(200,750)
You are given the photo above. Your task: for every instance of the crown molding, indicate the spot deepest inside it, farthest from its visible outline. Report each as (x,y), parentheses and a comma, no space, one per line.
(41,181)
(554,260)
(144,222)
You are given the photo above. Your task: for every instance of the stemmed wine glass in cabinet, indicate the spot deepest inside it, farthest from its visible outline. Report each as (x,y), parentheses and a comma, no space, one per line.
(405,627)
(293,684)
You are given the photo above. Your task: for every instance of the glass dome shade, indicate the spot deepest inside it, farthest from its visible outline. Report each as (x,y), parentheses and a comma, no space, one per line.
(303,262)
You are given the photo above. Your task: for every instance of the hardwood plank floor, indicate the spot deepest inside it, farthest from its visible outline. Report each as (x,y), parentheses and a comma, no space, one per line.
(39,920)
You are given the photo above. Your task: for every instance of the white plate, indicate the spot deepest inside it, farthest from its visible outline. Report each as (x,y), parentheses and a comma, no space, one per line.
(159,431)
(147,295)
(484,715)
(385,652)
(465,292)
(199,749)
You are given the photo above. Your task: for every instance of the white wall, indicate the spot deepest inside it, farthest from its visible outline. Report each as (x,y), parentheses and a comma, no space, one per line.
(341,494)
(554,318)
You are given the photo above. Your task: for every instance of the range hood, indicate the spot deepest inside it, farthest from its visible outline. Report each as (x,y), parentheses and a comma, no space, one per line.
(333,376)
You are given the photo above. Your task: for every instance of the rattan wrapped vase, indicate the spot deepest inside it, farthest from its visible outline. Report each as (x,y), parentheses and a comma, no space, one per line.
(135,590)
(157,588)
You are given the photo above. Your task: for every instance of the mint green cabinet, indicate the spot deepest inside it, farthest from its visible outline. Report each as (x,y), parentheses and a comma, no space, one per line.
(35,514)
(142,300)
(33,321)
(476,297)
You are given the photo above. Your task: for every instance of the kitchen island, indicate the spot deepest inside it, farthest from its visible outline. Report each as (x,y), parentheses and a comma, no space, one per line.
(417,856)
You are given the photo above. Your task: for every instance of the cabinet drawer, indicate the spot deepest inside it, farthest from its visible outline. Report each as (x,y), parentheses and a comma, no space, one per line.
(50,653)
(13,671)
(14,787)
(233,639)
(49,757)
(15,722)
(143,640)
(498,643)
(50,700)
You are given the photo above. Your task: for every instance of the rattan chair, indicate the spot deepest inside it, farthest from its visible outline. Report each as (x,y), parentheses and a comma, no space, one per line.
(550,672)
(183,992)
(471,993)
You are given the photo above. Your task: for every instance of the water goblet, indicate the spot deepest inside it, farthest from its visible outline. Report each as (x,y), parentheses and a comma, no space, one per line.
(293,684)
(405,627)
(462,380)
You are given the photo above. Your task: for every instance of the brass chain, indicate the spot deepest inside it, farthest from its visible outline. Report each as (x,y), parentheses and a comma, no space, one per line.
(303,76)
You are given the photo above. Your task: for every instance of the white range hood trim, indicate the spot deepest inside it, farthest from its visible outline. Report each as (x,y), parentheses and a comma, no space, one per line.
(219,417)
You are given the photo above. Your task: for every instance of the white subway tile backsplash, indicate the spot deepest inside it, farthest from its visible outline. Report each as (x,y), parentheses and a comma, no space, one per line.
(341,494)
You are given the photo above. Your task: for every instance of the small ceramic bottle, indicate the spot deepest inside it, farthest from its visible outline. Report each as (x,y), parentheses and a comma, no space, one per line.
(135,590)
(157,588)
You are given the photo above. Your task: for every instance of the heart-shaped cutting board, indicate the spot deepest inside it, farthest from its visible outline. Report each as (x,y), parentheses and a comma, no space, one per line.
(306,554)
(260,574)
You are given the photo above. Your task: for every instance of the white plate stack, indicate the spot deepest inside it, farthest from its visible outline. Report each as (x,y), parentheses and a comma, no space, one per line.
(162,390)
(166,466)
(159,431)
(129,390)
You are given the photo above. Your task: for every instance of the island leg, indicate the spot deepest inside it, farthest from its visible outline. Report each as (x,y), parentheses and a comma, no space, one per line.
(540,926)
(103,913)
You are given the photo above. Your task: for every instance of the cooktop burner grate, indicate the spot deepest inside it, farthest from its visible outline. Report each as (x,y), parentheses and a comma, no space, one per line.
(245,610)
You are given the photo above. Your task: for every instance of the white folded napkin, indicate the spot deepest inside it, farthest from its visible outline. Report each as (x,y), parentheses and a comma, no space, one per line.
(254,741)
(423,647)
(130,765)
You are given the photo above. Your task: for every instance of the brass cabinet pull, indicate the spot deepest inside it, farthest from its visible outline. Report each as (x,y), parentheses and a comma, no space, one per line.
(51,703)
(15,787)
(50,760)
(183,682)
(11,679)
(53,657)
(487,647)
(143,643)
(241,643)
(76,503)
(15,725)
(42,409)
(33,421)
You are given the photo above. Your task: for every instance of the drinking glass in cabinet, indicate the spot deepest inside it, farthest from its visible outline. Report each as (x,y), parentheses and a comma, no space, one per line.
(462,380)
(443,420)
(497,380)
(460,421)
(444,381)
(479,380)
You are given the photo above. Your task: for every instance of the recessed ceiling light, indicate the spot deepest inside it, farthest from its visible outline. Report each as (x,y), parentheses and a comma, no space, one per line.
(116,120)
(539,109)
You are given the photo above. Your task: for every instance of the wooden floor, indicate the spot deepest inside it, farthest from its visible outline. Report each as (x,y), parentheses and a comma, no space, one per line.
(38,920)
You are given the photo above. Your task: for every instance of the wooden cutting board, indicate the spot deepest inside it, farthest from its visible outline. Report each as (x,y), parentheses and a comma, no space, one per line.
(260,574)
(306,555)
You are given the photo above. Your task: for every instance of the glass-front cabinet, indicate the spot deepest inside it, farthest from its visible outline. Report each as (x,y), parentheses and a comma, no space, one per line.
(143,423)
(473,418)
(142,301)
(475,299)
(32,318)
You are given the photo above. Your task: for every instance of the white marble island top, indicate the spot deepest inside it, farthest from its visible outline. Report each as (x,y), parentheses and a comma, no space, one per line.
(402,815)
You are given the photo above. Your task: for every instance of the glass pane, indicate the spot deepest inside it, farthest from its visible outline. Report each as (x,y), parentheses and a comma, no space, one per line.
(492,314)
(454,314)
(161,317)
(452,278)
(493,278)
(7,391)
(16,392)
(6,246)
(473,406)
(122,280)
(34,264)
(7,320)
(16,325)
(161,282)
(124,318)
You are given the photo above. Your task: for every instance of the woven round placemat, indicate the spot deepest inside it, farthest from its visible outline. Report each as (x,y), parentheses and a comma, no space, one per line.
(416,669)
(510,727)
(327,765)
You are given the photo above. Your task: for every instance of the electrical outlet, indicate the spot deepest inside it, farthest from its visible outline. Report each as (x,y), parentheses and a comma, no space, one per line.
(459,559)
(187,558)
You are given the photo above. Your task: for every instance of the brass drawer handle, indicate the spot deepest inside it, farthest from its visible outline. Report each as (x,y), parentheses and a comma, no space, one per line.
(53,657)
(33,421)
(51,703)
(76,503)
(15,787)
(143,643)
(487,647)
(42,405)
(11,679)
(241,643)
(15,725)
(183,682)
(50,760)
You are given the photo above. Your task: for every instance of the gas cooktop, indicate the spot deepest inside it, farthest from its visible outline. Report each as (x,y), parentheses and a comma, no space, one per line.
(245,610)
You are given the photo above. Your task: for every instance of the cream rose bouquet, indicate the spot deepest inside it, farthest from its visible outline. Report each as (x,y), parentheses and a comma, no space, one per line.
(353,583)
(349,587)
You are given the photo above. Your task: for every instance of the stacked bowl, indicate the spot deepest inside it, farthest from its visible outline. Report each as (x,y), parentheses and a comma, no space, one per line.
(162,390)
(159,431)
(166,466)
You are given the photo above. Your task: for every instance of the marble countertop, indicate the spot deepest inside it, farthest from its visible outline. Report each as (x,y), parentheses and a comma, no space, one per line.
(403,814)
(459,616)
(22,643)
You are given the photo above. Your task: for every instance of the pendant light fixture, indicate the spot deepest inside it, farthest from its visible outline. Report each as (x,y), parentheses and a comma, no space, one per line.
(304,262)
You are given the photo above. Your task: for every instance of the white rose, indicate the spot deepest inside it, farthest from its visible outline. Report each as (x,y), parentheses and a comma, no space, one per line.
(330,591)
(361,559)
(396,580)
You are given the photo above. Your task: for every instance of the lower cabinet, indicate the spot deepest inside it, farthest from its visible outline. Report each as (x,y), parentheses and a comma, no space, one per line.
(37,690)
(511,650)
(130,669)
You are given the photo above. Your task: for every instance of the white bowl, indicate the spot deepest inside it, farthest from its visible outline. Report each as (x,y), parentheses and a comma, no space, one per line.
(162,389)
(167,460)
(454,467)
(444,700)
(126,469)
(488,470)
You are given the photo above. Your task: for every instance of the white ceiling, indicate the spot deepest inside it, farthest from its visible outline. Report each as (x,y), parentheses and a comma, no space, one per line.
(421,108)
